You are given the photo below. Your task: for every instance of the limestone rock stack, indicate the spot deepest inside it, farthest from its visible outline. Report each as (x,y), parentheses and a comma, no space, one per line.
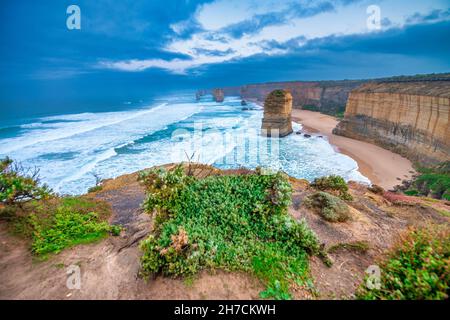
(277,114)
(410,118)
(199,94)
(218,95)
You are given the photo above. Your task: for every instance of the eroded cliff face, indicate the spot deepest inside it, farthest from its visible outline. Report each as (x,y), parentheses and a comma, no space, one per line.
(277,114)
(326,96)
(410,118)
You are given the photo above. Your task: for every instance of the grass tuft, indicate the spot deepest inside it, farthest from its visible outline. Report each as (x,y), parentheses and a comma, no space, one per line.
(329,207)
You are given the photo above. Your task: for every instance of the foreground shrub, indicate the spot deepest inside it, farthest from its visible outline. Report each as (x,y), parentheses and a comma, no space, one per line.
(60,223)
(418,268)
(329,207)
(228,222)
(334,184)
(18,185)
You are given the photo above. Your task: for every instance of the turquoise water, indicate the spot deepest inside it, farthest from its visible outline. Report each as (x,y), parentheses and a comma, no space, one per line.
(70,149)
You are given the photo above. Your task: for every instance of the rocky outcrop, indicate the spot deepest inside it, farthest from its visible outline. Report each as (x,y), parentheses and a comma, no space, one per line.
(410,118)
(199,94)
(218,95)
(277,114)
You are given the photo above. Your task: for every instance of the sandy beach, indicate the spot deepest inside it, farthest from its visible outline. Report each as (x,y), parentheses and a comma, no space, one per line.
(381,166)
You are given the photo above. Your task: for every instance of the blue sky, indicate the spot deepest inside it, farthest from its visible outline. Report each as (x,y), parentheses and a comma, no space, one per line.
(133,49)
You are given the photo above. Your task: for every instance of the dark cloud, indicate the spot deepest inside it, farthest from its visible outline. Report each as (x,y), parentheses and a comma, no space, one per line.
(410,50)
(432,16)
(33,32)
(214,53)
(44,65)
(260,21)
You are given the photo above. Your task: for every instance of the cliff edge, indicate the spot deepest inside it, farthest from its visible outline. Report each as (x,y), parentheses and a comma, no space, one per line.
(409,118)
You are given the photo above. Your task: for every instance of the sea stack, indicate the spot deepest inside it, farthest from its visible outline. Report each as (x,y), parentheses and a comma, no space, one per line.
(218,95)
(199,94)
(277,114)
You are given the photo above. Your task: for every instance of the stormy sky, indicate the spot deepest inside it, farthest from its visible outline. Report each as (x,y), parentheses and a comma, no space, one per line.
(135,49)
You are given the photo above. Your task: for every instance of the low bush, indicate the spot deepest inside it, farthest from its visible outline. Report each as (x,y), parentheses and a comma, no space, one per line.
(412,192)
(60,223)
(311,108)
(95,189)
(433,182)
(334,184)
(18,185)
(329,207)
(418,268)
(233,222)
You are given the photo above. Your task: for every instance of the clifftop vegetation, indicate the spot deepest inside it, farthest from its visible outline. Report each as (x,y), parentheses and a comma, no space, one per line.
(430,182)
(50,222)
(237,222)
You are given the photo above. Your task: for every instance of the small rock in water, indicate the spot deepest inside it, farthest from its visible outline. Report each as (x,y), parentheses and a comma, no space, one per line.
(320,136)
(307,135)
(298,132)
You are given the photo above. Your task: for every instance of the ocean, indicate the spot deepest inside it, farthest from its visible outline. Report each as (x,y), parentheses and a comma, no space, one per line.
(70,150)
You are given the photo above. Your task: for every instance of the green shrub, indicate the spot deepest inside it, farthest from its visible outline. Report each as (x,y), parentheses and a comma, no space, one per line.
(18,185)
(278,93)
(340,114)
(235,222)
(60,223)
(329,207)
(418,268)
(446,195)
(334,184)
(411,192)
(95,189)
(433,182)
(310,108)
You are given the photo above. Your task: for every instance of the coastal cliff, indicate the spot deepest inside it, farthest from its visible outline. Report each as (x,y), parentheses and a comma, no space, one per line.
(325,96)
(328,97)
(409,118)
(277,114)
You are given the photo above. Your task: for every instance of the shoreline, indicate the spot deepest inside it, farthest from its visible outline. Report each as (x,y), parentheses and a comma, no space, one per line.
(380,166)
